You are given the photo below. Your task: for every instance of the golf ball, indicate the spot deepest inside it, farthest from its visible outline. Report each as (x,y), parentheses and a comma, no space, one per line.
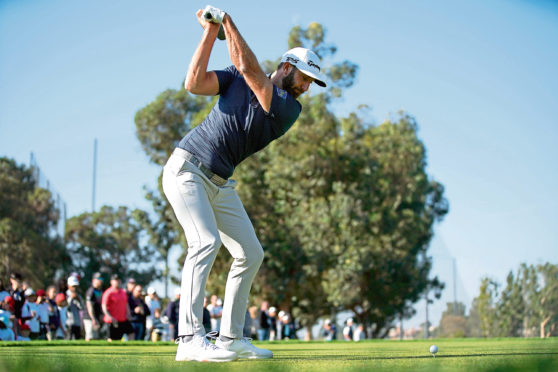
(433,349)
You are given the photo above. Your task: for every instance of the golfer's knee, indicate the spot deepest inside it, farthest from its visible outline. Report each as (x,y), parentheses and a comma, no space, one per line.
(256,256)
(203,249)
(208,244)
(251,261)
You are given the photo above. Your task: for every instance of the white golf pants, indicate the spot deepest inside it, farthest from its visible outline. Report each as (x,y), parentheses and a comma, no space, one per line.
(211,216)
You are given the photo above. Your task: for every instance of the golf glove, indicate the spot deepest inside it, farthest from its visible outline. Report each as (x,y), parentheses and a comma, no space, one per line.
(213,15)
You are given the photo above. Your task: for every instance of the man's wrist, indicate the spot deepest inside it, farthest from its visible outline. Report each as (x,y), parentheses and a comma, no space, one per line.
(212,28)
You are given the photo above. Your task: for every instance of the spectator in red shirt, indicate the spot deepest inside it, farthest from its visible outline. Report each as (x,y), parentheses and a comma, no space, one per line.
(116,310)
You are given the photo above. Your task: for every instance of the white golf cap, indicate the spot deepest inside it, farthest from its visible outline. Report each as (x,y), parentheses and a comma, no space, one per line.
(307,62)
(150,290)
(29,292)
(73,281)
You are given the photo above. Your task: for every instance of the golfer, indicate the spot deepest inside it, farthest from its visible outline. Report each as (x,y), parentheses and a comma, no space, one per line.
(253,109)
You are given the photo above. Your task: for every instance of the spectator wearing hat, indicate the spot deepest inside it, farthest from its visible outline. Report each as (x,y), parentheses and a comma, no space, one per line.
(7,313)
(61,309)
(348,330)
(43,311)
(288,328)
(152,301)
(30,312)
(8,306)
(75,308)
(139,312)
(272,323)
(279,323)
(330,330)
(24,333)
(116,311)
(172,314)
(93,314)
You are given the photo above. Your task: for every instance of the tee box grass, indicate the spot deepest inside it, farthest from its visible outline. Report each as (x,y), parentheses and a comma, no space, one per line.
(471,355)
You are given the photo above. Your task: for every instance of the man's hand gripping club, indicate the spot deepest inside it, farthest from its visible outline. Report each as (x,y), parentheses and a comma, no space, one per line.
(214,15)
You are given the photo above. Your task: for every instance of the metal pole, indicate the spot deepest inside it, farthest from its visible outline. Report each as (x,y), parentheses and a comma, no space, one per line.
(401,327)
(94,174)
(454,289)
(426,323)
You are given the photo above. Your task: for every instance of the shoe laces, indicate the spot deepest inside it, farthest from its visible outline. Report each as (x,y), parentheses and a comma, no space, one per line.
(210,336)
(248,341)
(205,340)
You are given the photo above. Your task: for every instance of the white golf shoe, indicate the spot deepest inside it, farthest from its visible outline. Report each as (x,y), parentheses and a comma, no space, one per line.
(244,348)
(201,350)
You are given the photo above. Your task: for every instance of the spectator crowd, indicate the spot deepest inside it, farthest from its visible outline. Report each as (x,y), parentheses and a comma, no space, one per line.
(61,312)
(113,312)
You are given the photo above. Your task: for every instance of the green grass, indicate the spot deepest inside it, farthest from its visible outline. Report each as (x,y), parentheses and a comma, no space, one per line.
(471,355)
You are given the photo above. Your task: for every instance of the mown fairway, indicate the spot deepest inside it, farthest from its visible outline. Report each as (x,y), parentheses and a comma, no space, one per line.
(471,355)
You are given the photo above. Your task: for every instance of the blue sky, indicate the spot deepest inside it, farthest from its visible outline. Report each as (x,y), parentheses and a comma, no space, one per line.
(480,77)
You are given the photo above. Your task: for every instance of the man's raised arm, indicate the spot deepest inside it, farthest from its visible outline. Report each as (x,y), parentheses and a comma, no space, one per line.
(247,64)
(198,79)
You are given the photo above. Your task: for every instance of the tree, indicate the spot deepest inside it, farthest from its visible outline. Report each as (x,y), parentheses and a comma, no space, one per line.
(529,282)
(28,219)
(453,322)
(112,241)
(487,306)
(511,309)
(527,304)
(383,238)
(473,323)
(548,300)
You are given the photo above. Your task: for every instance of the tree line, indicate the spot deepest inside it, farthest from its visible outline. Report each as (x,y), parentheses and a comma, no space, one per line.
(343,207)
(527,306)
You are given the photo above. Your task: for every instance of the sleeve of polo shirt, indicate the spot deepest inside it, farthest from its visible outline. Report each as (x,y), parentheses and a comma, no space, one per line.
(105,298)
(284,107)
(225,77)
(89,297)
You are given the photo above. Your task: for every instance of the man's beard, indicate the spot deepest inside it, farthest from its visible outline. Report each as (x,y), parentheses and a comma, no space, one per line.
(289,84)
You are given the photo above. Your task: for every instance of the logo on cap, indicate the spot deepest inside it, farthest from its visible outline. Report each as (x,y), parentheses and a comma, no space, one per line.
(293,60)
(310,63)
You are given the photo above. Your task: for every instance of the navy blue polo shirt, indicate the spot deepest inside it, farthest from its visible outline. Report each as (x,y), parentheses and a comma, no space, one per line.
(237,126)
